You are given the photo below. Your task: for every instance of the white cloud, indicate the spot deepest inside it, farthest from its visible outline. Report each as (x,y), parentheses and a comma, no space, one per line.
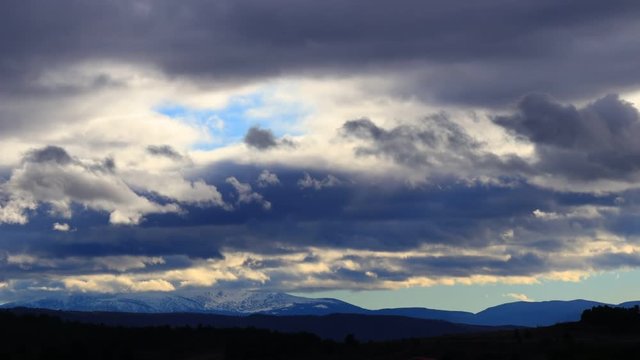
(318,184)
(63,227)
(96,184)
(267,178)
(13,210)
(545,215)
(174,186)
(49,175)
(107,283)
(519,297)
(246,194)
(576,212)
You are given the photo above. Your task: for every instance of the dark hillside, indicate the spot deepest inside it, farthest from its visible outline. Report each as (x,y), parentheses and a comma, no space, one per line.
(335,326)
(40,336)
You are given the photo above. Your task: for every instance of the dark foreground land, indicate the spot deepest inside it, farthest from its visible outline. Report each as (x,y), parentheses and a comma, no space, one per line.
(603,333)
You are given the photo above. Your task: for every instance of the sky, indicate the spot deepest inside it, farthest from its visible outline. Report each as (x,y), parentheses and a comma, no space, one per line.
(444,154)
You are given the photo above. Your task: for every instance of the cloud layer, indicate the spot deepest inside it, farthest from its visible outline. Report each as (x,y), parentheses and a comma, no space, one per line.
(477,60)
(594,142)
(305,145)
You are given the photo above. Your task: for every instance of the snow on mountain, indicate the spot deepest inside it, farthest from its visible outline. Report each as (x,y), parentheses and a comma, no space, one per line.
(231,302)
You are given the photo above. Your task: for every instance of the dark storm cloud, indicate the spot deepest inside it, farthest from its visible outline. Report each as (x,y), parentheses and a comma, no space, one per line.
(263,139)
(480,52)
(597,141)
(164,150)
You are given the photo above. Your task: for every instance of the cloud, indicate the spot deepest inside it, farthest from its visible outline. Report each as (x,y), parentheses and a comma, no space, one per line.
(246,195)
(587,148)
(434,140)
(455,197)
(14,210)
(479,61)
(63,227)
(50,175)
(309,182)
(579,212)
(115,284)
(263,139)
(590,143)
(430,149)
(357,235)
(47,154)
(172,185)
(164,150)
(126,263)
(267,178)
(519,297)
(260,139)
(199,274)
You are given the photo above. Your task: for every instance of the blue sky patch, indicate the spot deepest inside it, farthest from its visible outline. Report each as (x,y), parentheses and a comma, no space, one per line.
(229,124)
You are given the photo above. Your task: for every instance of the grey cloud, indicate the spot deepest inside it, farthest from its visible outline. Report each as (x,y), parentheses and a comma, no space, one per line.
(612,261)
(267,178)
(164,150)
(429,142)
(379,267)
(49,153)
(309,182)
(246,195)
(597,141)
(29,268)
(435,144)
(516,265)
(474,52)
(109,164)
(263,139)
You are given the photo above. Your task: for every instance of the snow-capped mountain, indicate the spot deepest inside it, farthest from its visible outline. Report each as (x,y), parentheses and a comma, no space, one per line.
(240,302)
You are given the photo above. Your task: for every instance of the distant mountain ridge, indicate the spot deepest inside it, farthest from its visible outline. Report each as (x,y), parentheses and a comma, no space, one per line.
(214,302)
(243,303)
(521,313)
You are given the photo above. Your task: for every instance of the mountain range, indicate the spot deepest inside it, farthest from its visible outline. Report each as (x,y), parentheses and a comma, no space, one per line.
(244,303)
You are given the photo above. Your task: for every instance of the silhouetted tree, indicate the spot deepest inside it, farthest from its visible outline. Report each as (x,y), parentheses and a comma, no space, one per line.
(613,318)
(351,341)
